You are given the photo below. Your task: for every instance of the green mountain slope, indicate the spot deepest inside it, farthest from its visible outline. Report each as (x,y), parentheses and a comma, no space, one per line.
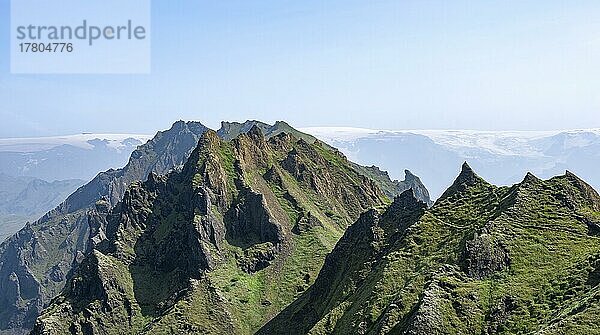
(224,244)
(483,260)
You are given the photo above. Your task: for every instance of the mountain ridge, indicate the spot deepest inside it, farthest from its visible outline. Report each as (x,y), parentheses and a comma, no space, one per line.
(63,232)
(483,260)
(254,202)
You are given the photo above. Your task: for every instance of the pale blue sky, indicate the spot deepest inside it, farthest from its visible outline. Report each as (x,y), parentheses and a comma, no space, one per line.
(378,64)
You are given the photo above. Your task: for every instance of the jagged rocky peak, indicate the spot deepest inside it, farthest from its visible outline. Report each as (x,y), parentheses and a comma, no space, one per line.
(409,176)
(208,139)
(530,178)
(242,212)
(147,225)
(392,188)
(419,190)
(465,180)
(467,175)
(252,148)
(180,127)
(61,234)
(403,212)
(282,125)
(230,130)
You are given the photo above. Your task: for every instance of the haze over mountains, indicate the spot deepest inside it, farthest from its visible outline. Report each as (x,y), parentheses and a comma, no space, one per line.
(245,238)
(502,157)
(66,157)
(37,174)
(25,199)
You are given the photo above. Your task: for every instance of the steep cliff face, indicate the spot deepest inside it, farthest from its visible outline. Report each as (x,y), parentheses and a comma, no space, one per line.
(35,262)
(225,243)
(396,187)
(482,260)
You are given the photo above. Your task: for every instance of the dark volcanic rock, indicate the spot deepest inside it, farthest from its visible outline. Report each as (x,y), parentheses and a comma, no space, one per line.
(306,222)
(250,222)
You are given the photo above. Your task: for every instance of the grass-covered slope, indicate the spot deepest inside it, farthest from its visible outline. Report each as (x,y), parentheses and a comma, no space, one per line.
(483,260)
(221,246)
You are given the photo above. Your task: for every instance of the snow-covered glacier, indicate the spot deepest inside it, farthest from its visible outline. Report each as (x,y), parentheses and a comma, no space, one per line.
(501,157)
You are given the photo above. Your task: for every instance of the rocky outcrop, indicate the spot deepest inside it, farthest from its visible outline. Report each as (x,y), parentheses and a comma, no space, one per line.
(393,188)
(231,130)
(413,182)
(428,317)
(485,255)
(101,284)
(306,222)
(250,222)
(465,180)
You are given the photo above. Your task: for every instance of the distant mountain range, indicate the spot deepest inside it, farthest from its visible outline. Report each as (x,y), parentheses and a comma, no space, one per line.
(268,229)
(502,157)
(25,199)
(37,174)
(66,157)
(252,217)
(240,241)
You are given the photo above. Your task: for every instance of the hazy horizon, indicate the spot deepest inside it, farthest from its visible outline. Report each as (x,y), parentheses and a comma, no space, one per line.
(304,129)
